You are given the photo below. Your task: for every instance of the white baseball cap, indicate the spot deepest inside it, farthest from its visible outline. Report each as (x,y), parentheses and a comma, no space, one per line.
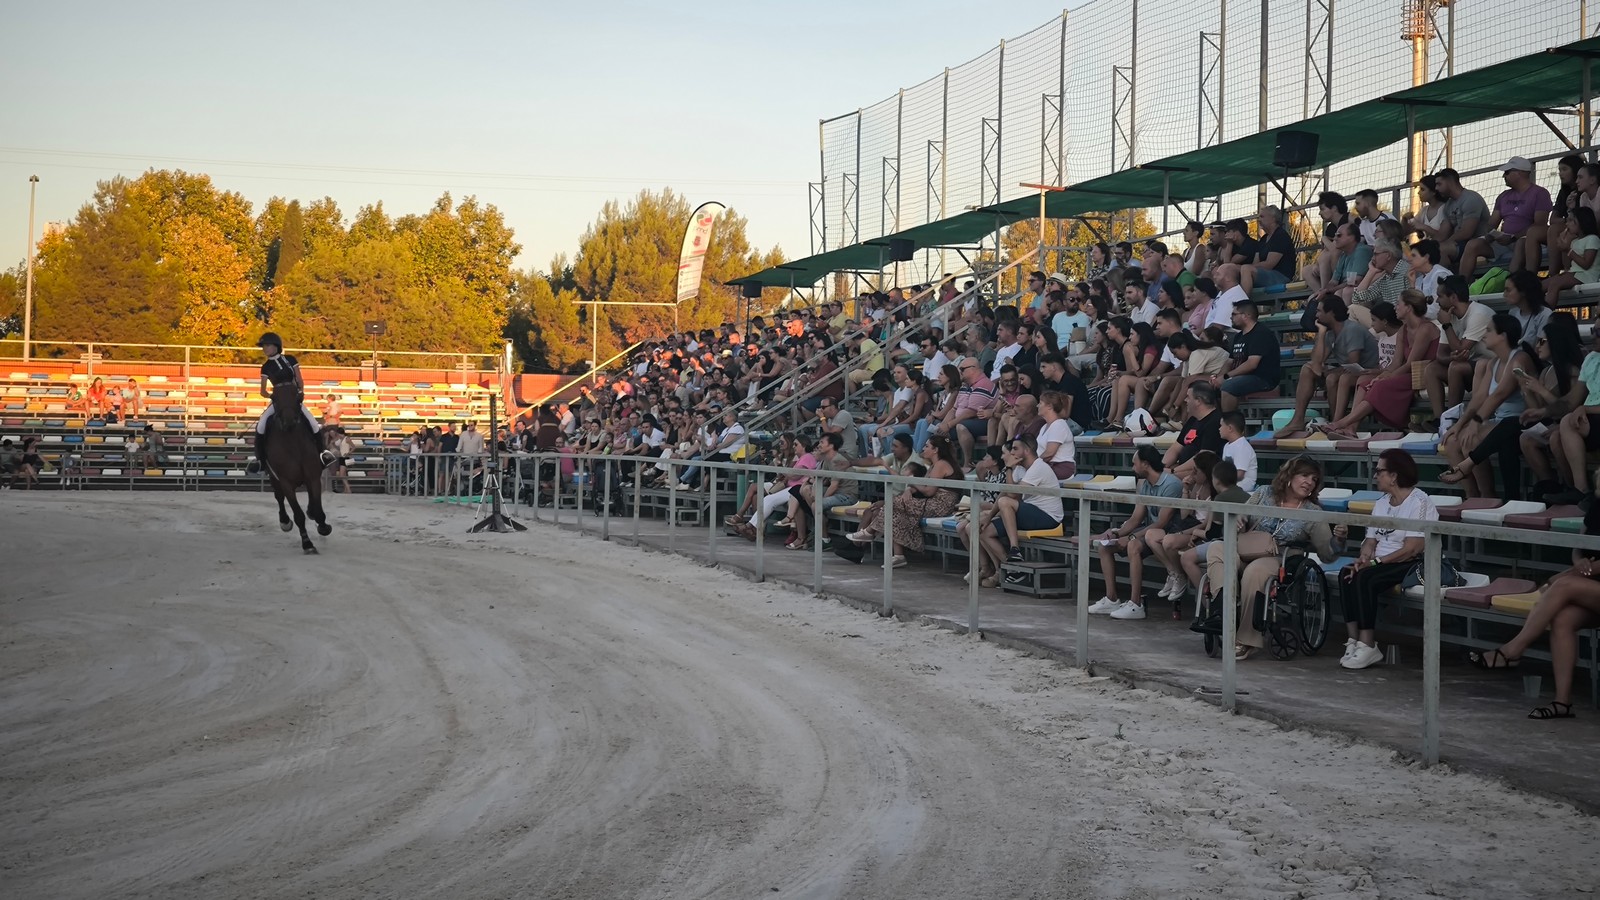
(1517,162)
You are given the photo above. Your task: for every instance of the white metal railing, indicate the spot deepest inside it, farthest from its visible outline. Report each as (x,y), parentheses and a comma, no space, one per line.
(601,472)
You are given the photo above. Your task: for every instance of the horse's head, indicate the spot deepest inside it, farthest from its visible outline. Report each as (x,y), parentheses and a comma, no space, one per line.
(285,408)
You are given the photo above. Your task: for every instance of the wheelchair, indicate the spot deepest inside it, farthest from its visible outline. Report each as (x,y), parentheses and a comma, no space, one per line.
(1292,612)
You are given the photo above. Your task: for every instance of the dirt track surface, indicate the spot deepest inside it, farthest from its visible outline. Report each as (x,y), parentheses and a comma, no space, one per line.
(190,708)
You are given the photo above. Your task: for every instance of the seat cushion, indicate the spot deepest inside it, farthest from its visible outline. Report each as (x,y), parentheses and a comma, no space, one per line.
(1468,580)
(1497,515)
(1541,521)
(1043,533)
(1515,604)
(1111,483)
(1453,513)
(1478,596)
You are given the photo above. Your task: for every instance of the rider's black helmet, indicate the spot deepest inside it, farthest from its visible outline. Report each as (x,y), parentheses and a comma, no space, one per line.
(271,338)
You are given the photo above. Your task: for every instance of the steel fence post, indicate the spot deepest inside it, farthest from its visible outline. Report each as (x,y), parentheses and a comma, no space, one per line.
(761,532)
(1433,553)
(817,531)
(1230,610)
(538,466)
(605,509)
(888,547)
(556,503)
(974,553)
(711,516)
(638,490)
(672,506)
(1085,541)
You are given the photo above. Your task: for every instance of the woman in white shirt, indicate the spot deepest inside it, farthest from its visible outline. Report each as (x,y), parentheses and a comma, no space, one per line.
(1016,513)
(1387,555)
(1055,444)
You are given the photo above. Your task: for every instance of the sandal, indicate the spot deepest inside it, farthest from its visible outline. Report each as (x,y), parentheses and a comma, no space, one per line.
(1493,659)
(1453,475)
(1556,710)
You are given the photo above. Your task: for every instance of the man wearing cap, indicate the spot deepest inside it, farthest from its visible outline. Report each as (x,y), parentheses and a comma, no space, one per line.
(1522,205)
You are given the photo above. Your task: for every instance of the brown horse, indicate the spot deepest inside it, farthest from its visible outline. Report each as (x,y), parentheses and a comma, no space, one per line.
(294,461)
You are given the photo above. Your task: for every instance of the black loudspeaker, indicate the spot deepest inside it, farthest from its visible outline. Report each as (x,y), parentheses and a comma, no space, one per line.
(901,249)
(1295,150)
(750,290)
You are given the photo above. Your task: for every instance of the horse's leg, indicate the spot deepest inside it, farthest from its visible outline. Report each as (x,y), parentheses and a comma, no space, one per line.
(314,507)
(283,514)
(300,522)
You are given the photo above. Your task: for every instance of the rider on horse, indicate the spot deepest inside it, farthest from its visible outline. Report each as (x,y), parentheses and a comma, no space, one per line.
(282,371)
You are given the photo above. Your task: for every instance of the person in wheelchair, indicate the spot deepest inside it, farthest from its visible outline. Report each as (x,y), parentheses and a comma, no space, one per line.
(1387,555)
(1263,539)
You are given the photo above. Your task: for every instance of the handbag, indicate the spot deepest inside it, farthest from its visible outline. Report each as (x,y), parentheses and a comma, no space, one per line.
(1448,576)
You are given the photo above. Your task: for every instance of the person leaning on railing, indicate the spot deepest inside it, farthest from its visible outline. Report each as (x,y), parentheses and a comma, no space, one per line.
(1387,555)
(1264,536)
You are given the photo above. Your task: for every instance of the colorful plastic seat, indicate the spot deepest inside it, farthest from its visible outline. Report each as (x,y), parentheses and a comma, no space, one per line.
(1497,515)
(1515,604)
(1362,502)
(1573,525)
(1479,596)
(1055,532)
(1110,483)
(1334,499)
(1453,513)
(1541,521)
(1468,580)
(1377,445)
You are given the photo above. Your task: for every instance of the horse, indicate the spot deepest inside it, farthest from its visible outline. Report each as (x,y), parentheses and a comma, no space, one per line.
(294,461)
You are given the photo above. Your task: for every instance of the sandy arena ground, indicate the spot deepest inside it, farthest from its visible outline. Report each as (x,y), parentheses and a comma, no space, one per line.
(190,708)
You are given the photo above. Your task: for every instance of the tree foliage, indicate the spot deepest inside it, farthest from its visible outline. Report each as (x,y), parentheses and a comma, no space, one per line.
(169,258)
(1024,236)
(630,254)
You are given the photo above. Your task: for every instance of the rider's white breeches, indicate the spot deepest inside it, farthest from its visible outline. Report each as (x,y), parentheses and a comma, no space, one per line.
(261,423)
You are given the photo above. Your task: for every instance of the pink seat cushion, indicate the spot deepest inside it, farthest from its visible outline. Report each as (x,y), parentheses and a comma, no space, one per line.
(1479,597)
(1453,513)
(1540,521)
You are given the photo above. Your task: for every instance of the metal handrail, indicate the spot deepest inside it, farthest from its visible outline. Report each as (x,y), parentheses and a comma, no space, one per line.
(813,388)
(589,374)
(1433,533)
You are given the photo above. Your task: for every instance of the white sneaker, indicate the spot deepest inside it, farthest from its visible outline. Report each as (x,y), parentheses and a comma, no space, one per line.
(1362,656)
(1180,587)
(1349,647)
(1128,610)
(1103,606)
(1166,589)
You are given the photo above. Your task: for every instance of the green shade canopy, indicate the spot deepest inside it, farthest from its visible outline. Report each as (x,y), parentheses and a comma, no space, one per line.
(1549,79)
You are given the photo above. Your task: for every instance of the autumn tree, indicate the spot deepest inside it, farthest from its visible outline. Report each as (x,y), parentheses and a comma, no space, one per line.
(1023,236)
(630,253)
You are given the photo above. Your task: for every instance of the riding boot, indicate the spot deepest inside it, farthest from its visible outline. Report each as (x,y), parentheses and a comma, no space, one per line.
(260,462)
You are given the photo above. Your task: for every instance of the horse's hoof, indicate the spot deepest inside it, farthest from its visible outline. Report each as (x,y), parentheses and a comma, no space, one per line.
(285,526)
(324,529)
(310,550)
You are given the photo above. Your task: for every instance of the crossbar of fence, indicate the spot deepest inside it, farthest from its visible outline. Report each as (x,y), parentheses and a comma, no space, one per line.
(520,486)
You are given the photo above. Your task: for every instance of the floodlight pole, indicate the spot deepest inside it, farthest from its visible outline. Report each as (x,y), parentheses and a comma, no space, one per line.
(27,303)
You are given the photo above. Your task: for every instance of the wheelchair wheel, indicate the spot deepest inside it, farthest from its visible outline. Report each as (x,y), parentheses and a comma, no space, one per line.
(1203,614)
(1276,621)
(1308,599)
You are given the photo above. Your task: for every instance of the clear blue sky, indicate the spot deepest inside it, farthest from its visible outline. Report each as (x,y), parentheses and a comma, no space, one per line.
(586,101)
